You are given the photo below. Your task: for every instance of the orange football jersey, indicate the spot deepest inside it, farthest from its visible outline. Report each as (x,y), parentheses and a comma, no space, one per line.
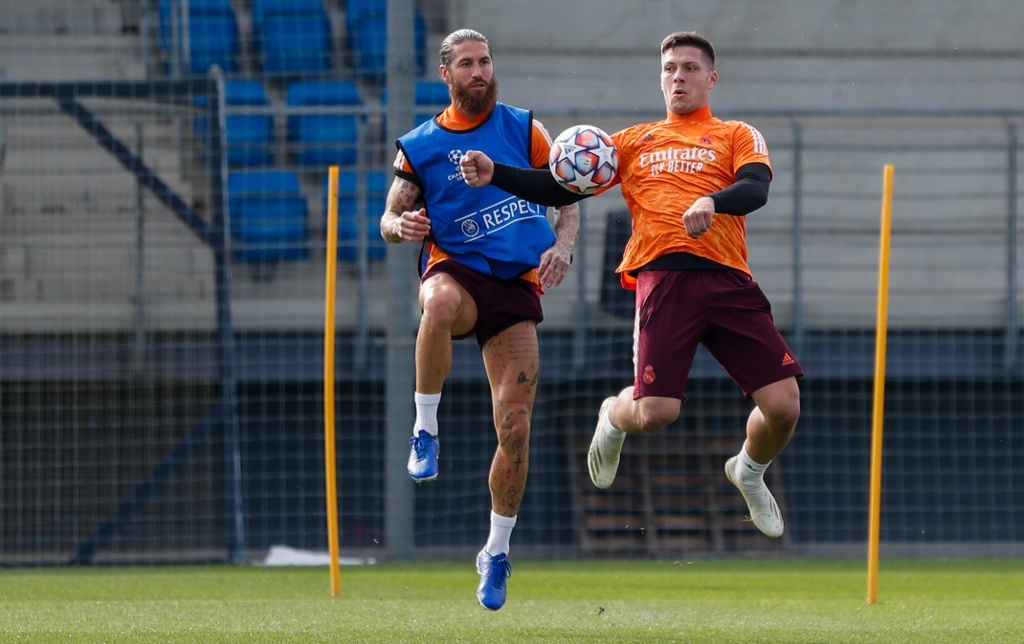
(665,166)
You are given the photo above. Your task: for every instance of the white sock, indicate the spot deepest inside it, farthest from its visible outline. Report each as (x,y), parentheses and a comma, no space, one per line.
(611,430)
(426,413)
(750,471)
(501,532)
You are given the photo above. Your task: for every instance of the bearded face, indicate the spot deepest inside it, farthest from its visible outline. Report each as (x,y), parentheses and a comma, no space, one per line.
(469,73)
(475,96)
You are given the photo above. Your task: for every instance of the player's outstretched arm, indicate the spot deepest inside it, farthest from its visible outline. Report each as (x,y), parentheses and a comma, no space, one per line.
(536,185)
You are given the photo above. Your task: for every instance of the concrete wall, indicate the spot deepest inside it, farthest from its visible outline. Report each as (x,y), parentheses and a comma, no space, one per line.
(791,54)
(93,17)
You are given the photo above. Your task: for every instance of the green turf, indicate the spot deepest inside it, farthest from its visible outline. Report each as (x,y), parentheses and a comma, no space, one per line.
(784,600)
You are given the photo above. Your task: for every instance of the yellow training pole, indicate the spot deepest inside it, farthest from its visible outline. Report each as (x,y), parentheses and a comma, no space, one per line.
(330,467)
(881,324)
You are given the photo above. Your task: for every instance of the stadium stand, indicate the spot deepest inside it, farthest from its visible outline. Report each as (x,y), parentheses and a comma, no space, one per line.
(322,139)
(366,38)
(429,97)
(292,38)
(430,94)
(211,38)
(249,136)
(376,188)
(269,216)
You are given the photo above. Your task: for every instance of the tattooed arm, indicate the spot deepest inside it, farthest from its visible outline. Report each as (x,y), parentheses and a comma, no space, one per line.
(399,223)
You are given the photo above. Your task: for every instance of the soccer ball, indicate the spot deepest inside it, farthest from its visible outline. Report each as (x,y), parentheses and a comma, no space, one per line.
(583,159)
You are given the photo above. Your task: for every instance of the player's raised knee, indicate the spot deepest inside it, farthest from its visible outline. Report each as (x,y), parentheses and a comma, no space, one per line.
(658,413)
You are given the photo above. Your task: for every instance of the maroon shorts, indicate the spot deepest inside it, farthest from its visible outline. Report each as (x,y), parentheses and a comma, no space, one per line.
(500,304)
(724,310)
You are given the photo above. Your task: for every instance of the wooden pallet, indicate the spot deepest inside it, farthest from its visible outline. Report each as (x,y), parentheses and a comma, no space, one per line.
(670,498)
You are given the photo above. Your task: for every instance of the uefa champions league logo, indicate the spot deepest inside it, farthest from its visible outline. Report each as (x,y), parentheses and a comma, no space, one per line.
(469,227)
(454,156)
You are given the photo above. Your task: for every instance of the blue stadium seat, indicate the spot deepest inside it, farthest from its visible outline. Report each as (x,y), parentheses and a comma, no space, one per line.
(249,136)
(320,140)
(429,96)
(356,9)
(261,8)
(292,38)
(269,216)
(377,185)
(432,94)
(367,39)
(213,36)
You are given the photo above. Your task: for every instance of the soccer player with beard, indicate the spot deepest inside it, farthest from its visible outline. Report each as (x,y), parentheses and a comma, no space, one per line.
(487,256)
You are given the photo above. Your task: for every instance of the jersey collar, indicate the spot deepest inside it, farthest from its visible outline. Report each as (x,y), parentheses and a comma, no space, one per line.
(698,116)
(456,120)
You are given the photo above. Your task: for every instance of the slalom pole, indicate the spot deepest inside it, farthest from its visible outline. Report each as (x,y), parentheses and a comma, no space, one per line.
(330,466)
(878,406)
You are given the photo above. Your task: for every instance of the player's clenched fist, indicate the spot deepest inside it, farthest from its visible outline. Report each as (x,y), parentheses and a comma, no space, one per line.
(477,168)
(698,217)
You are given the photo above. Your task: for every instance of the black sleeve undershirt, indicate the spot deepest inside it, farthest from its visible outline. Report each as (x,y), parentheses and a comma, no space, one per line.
(747,194)
(533,184)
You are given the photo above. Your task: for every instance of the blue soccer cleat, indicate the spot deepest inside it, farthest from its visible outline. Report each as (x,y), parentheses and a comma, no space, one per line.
(423,457)
(494,573)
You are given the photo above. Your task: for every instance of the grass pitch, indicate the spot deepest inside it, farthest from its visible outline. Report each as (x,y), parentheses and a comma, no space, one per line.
(729,600)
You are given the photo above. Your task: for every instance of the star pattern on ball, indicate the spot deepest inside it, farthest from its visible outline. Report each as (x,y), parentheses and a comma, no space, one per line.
(583,159)
(605,155)
(584,182)
(568,151)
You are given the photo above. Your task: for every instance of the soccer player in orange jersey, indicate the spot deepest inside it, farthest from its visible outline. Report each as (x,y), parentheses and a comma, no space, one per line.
(487,258)
(689,182)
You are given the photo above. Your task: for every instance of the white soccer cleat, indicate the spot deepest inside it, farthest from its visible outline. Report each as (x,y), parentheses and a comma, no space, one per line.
(604,452)
(764,511)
